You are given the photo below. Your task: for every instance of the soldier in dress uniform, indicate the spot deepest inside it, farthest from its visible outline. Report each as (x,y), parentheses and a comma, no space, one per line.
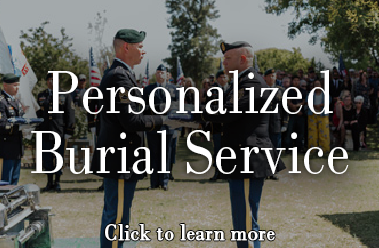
(11,145)
(278,121)
(160,180)
(216,128)
(245,130)
(63,124)
(123,130)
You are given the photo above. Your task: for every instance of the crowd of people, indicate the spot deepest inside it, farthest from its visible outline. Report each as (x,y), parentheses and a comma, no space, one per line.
(353,98)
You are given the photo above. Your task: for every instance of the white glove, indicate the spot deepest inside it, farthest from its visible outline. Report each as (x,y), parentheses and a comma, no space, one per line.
(67,136)
(93,130)
(283,129)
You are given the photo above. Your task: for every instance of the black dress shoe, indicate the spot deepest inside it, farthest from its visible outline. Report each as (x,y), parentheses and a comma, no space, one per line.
(101,188)
(273,177)
(57,187)
(165,188)
(49,187)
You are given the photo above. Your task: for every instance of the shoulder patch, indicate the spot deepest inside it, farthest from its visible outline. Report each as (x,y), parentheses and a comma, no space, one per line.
(124,97)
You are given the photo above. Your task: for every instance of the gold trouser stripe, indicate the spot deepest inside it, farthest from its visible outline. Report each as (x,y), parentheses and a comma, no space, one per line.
(1,167)
(249,224)
(120,210)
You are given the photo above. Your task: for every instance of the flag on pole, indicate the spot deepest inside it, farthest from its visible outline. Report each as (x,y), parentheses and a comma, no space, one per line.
(6,65)
(94,71)
(28,80)
(256,67)
(179,72)
(221,65)
(341,66)
(146,76)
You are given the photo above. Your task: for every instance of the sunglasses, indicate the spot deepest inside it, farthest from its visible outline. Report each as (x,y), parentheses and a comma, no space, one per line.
(358,103)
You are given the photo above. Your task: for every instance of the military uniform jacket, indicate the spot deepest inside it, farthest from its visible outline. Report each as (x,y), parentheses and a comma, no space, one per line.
(280,119)
(246,129)
(63,123)
(11,145)
(112,125)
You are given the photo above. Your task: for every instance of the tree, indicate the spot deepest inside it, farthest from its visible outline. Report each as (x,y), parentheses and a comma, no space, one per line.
(194,40)
(48,53)
(282,59)
(347,27)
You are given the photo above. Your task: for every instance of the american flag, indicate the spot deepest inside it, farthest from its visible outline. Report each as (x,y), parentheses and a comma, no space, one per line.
(341,66)
(94,72)
(179,72)
(146,77)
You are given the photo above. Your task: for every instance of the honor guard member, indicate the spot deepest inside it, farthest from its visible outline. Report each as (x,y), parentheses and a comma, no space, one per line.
(124,132)
(63,124)
(245,130)
(216,128)
(154,139)
(11,146)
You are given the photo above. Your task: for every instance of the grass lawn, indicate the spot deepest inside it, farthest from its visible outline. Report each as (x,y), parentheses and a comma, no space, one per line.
(304,210)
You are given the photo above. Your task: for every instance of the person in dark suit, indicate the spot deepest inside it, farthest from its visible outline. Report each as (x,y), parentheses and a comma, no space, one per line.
(244,130)
(160,180)
(336,86)
(63,124)
(124,131)
(11,146)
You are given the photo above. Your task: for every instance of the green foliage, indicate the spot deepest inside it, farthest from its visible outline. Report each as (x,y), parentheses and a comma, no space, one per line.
(282,59)
(194,39)
(48,53)
(348,27)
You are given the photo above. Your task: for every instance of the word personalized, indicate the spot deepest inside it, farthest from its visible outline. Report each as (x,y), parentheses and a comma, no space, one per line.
(182,92)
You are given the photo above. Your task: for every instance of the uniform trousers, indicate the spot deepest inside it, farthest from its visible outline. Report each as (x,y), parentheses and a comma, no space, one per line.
(155,146)
(11,170)
(48,158)
(245,196)
(318,132)
(118,197)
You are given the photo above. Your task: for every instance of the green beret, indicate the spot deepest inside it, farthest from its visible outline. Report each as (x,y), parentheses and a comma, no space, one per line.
(11,78)
(228,46)
(130,35)
(268,72)
(219,73)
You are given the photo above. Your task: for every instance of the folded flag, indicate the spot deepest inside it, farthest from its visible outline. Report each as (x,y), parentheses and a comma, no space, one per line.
(20,120)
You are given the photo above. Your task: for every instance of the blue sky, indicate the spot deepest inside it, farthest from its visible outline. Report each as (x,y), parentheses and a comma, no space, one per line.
(240,20)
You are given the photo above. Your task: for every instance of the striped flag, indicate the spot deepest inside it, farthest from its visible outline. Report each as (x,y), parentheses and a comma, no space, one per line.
(146,77)
(28,80)
(6,65)
(94,72)
(179,72)
(341,66)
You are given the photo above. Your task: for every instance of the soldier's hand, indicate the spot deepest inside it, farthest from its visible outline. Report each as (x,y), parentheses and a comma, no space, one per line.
(283,129)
